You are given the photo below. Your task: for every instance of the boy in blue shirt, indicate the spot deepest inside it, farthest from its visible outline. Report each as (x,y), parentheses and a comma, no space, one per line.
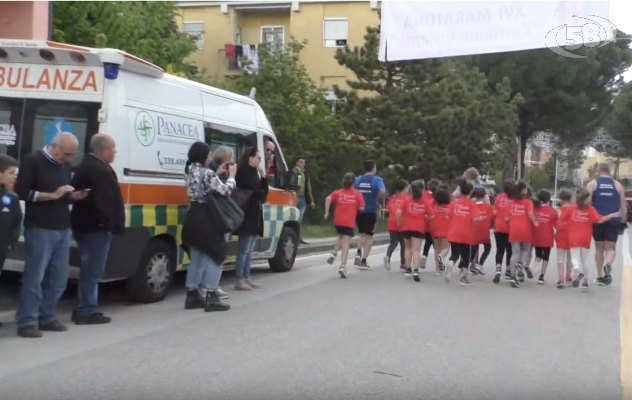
(10,210)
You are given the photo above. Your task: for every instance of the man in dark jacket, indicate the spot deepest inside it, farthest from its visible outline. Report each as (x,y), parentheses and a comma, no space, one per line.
(93,222)
(43,184)
(300,183)
(10,210)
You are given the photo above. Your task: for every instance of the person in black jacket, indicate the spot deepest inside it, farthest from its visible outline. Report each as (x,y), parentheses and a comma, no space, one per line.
(249,178)
(93,221)
(10,210)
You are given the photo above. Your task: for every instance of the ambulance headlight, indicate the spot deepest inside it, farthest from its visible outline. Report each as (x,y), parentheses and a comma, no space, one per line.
(110,71)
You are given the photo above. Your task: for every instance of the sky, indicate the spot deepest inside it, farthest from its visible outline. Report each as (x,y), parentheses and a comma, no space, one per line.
(621,17)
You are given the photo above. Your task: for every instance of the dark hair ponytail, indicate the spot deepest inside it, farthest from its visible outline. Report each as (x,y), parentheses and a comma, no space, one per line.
(198,153)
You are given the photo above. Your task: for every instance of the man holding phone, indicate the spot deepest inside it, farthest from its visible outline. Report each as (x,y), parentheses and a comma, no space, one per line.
(44,185)
(93,223)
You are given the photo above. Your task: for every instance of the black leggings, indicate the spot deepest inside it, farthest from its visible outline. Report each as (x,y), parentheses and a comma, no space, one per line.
(487,248)
(543,253)
(396,239)
(429,242)
(502,246)
(460,250)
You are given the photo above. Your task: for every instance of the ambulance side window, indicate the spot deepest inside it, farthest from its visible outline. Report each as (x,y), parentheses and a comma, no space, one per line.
(216,135)
(43,119)
(10,126)
(277,173)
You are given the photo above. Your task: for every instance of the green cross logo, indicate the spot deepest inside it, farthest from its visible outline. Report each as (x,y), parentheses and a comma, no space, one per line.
(144,126)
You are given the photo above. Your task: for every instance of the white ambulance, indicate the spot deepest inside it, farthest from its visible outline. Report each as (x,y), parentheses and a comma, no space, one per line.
(48,87)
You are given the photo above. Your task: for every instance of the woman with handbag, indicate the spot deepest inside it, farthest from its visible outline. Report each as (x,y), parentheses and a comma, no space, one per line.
(253,192)
(203,235)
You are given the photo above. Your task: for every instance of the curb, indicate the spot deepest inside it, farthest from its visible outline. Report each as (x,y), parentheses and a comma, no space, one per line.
(321,248)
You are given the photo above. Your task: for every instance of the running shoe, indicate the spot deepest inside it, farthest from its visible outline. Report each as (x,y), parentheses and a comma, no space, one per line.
(473,269)
(541,279)
(408,272)
(342,270)
(438,271)
(507,274)
(364,266)
(422,265)
(402,268)
(599,282)
(585,285)
(387,263)
(607,274)
(514,282)
(448,272)
(519,272)
(479,269)
(528,271)
(465,282)
(331,259)
(578,279)
(416,276)
(441,263)
(357,260)
(560,284)
(497,275)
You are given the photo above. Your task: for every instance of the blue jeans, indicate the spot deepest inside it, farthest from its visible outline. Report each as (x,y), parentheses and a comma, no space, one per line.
(302,206)
(45,275)
(246,247)
(203,272)
(94,248)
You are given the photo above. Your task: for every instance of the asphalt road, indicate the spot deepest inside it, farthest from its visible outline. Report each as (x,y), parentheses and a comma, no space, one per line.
(309,334)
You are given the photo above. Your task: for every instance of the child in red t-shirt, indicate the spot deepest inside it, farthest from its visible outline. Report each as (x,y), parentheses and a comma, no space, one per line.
(464,218)
(411,219)
(544,234)
(396,238)
(348,202)
(433,186)
(581,217)
(561,240)
(520,218)
(485,211)
(441,227)
(501,231)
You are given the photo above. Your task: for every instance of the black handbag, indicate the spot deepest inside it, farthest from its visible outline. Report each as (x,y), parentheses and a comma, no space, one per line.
(241,196)
(227,216)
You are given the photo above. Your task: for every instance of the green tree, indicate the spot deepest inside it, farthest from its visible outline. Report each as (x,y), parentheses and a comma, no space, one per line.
(565,96)
(431,118)
(619,123)
(299,114)
(538,178)
(146,29)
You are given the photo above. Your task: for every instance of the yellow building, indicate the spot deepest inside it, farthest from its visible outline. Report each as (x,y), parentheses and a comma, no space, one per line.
(224,26)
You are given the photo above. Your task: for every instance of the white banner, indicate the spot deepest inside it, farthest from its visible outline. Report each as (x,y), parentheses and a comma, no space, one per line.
(412,30)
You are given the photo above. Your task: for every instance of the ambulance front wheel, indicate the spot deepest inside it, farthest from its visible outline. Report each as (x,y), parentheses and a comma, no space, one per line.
(153,277)
(285,255)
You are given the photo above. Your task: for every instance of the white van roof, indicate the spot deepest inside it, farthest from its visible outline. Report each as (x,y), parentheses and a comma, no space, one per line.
(47,52)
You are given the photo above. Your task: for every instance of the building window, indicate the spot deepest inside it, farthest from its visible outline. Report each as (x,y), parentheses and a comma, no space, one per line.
(274,35)
(195,29)
(335,32)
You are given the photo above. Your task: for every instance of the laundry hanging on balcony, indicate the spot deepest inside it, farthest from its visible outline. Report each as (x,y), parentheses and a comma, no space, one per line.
(234,54)
(252,53)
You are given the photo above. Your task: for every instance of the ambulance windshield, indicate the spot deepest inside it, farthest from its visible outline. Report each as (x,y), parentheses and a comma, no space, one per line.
(30,124)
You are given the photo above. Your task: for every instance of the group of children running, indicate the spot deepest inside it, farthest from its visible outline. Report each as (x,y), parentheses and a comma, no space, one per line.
(459,224)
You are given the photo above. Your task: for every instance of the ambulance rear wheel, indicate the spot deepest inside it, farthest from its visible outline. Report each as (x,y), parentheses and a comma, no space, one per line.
(285,255)
(153,277)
